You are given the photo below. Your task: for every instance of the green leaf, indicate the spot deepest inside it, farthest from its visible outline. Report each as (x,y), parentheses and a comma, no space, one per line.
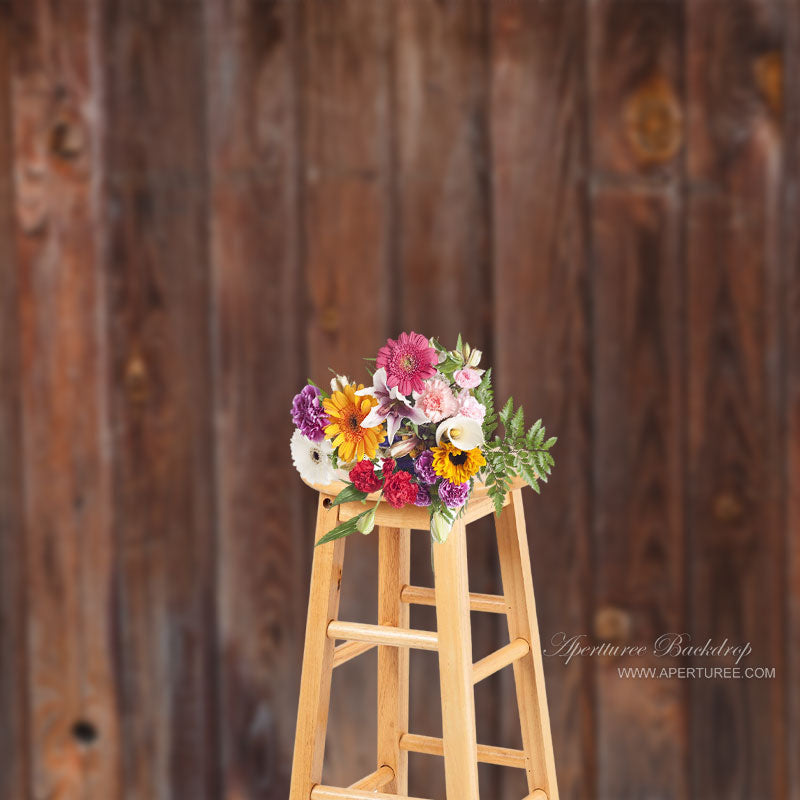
(348,495)
(507,411)
(550,442)
(517,423)
(343,529)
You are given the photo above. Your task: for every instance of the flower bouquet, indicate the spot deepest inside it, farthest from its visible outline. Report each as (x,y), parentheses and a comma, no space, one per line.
(423,433)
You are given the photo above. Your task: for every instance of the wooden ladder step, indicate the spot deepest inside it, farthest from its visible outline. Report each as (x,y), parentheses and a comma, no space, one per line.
(513,651)
(487,754)
(320,792)
(375,780)
(383,634)
(344,652)
(422,596)
(536,794)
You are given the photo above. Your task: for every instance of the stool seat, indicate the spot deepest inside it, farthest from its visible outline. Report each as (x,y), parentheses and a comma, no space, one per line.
(393,637)
(413,517)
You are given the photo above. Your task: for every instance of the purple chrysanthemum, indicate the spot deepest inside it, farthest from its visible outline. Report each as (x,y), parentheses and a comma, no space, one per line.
(423,497)
(308,414)
(454,495)
(423,466)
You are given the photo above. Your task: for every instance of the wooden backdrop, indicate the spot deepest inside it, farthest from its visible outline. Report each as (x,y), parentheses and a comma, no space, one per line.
(202,203)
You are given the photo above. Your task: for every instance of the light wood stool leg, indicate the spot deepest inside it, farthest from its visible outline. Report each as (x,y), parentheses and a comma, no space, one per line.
(394,572)
(515,567)
(455,666)
(315,681)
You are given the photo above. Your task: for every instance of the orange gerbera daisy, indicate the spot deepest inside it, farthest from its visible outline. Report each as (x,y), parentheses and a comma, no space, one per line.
(346,412)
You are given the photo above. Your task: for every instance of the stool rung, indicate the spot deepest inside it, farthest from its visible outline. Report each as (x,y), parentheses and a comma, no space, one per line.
(506,655)
(536,794)
(383,634)
(422,596)
(375,780)
(344,652)
(320,792)
(487,754)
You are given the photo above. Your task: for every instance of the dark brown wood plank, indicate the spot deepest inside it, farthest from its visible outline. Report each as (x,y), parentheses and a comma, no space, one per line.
(442,286)
(541,319)
(636,74)
(157,283)
(638,488)
(790,256)
(261,592)
(14,754)
(736,739)
(347,222)
(73,736)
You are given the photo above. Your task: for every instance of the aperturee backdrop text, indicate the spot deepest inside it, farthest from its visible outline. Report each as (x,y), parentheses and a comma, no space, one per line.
(421,434)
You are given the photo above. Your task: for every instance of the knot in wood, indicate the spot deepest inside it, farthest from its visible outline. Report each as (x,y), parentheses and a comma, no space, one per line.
(612,624)
(654,121)
(728,507)
(67,137)
(136,380)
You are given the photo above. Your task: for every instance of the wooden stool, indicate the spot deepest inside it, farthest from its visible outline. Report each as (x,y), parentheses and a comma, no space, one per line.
(452,640)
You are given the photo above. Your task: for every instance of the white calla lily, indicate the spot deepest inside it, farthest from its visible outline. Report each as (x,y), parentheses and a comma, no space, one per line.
(463,432)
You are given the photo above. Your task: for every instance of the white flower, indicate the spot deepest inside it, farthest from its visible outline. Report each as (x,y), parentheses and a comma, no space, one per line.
(338,383)
(312,459)
(463,432)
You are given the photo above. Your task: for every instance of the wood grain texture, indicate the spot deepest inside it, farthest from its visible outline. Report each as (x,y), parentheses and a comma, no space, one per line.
(534,715)
(737,727)
(441,285)
(790,257)
(636,73)
(158,303)
(638,485)
(317,664)
(541,307)
(14,755)
(73,699)
(394,572)
(451,582)
(344,70)
(264,538)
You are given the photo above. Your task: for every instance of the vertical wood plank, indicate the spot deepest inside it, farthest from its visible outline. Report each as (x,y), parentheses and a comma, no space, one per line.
(14,754)
(158,330)
(790,256)
(317,664)
(394,572)
(541,312)
(734,165)
(442,285)
(638,487)
(455,665)
(56,86)
(346,121)
(636,74)
(253,153)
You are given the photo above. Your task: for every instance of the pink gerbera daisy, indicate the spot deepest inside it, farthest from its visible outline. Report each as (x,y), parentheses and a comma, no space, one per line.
(408,362)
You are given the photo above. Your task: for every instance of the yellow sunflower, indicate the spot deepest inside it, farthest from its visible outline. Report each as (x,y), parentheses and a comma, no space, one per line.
(457,466)
(346,412)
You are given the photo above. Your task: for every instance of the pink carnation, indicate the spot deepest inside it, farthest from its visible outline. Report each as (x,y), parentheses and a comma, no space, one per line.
(467,378)
(469,407)
(437,400)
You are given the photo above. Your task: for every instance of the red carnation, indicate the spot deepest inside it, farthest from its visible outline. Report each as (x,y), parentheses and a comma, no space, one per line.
(399,490)
(364,478)
(388,467)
